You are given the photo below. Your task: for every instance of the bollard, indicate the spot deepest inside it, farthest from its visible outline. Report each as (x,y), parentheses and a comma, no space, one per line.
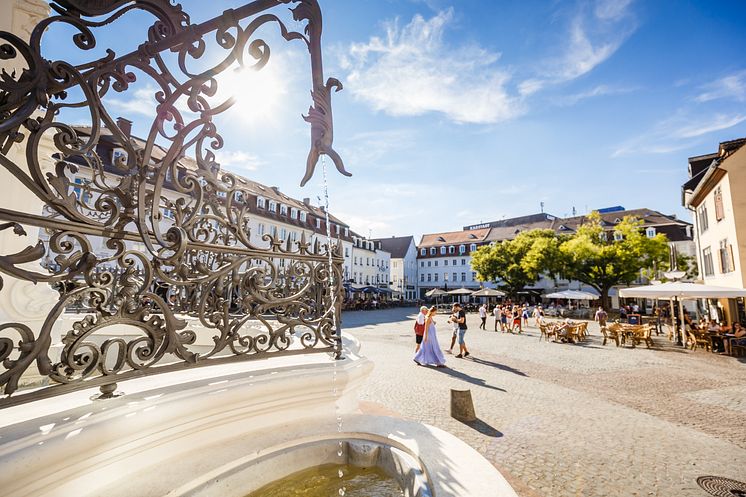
(462,407)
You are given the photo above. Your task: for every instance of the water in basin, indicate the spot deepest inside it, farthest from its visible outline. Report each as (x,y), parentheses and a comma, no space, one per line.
(324,481)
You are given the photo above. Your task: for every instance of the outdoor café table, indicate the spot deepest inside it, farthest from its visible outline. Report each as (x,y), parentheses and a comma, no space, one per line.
(717,339)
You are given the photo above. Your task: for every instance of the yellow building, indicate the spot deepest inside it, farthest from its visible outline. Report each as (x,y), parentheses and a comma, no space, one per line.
(714,194)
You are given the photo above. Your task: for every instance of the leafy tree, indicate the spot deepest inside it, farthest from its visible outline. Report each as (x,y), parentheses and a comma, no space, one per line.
(515,264)
(601,261)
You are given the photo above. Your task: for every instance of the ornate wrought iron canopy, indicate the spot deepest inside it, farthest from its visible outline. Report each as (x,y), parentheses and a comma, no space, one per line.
(157,238)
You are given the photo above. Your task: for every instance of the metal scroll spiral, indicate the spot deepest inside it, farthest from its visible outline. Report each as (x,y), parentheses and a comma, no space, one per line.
(159,275)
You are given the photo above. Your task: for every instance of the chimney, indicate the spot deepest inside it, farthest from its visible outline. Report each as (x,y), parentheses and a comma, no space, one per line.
(125,125)
(307,201)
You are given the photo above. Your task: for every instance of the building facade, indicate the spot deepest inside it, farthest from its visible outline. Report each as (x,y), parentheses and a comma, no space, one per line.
(403,273)
(719,214)
(371,265)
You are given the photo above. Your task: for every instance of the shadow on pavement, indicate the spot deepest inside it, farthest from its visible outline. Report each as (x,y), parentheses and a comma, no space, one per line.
(465,377)
(482,428)
(354,319)
(502,367)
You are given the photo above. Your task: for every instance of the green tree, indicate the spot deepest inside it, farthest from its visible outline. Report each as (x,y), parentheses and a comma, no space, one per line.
(515,264)
(602,261)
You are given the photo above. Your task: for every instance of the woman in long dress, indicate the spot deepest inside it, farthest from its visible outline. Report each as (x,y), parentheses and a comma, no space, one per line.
(430,353)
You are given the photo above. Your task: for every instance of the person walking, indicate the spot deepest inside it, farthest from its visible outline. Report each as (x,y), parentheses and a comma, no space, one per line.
(524,315)
(504,318)
(483,317)
(498,316)
(419,328)
(461,321)
(430,353)
(454,327)
(601,316)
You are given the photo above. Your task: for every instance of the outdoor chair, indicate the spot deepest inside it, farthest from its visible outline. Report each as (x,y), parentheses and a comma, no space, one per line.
(738,350)
(611,332)
(697,339)
(547,331)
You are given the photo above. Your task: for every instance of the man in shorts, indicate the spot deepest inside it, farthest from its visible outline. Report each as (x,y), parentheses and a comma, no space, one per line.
(461,321)
(419,328)
(454,324)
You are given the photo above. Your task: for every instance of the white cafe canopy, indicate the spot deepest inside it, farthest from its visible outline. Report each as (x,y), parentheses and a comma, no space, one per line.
(435,292)
(488,292)
(460,291)
(572,294)
(682,291)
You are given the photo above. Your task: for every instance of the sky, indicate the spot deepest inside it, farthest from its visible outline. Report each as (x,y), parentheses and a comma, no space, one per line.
(467,111)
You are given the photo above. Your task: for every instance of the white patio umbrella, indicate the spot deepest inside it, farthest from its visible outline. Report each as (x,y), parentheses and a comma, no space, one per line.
(488,292)
(573,295)
(461,291)
(436,292)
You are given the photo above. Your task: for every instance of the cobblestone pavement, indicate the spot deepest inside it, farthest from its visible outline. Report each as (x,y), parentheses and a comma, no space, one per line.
(569,419)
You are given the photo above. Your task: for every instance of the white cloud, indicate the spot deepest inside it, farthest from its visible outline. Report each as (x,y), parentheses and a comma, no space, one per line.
(731,87)
(368,148)
(611,10)
(597,91)
(238,160)
(411,72)
(677,133)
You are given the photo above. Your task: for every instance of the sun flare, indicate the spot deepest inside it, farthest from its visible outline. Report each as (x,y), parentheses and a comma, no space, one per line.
(258,94)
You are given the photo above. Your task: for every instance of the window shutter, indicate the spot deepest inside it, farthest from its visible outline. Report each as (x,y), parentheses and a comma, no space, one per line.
(720,260)
(732,260)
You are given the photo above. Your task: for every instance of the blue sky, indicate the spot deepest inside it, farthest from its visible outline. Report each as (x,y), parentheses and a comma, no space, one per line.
(457,112)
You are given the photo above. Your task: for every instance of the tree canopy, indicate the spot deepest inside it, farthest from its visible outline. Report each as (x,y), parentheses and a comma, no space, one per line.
(516,264)
(591,255)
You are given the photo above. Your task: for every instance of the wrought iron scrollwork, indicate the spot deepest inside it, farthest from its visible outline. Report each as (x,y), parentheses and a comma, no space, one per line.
(178,254)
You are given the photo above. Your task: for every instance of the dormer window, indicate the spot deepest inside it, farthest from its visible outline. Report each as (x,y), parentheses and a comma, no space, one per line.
(423,252)
(272,206)
(347,231)
(293,213)
(650,232)
(118,156)
(303,216)
(442,251)
(602,236)
(451,249)
(618,236)
(473,247)
(338,229)
(222,194)
(461,249)
(261,203)
(283,210)
(238,196)
(318,223)
(433,251)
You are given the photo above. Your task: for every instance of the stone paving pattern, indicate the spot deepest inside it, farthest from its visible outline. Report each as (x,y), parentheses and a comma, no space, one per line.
(569,419)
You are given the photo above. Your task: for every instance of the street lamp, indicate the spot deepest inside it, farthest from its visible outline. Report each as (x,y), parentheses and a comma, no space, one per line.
(675,276)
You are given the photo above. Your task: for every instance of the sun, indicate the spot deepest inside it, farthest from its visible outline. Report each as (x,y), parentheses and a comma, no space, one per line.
(258,94)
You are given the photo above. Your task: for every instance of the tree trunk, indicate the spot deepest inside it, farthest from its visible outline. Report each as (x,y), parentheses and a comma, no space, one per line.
(605,302)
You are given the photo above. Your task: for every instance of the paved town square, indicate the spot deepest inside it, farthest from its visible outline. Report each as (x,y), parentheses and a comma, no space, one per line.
(569,419)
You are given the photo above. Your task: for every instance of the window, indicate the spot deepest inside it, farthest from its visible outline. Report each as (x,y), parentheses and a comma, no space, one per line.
(618,236)
(455,261)
(302,216)
(473,247)
(463,277)
(272,206)
(423,251)
(436,264)
(260,229)
(222,194)
(429,263)
(463,262)
(442,251)
(461,249)
(429,277)
(283,210)
(702,217)
(473,276)
(347,251)
(726,257)
(355,260)
(367,261)
(318,223)
(445,262)
(451,249)
(169,214)
(347,231)
(422,278)
(80,191)
(719,209)
(602,236)
(119,156)
(650,232)
(435,278)
(238,196)
(283,234)
(455,275)
(432,251)
(260,202)
(294,236)
(293,213)
(422,263)
(338,229)
(273,231)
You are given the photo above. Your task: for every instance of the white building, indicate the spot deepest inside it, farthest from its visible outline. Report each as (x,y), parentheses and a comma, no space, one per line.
(371,264)
(403,265)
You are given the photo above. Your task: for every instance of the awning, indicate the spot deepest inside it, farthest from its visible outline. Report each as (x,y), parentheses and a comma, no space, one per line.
(683,291)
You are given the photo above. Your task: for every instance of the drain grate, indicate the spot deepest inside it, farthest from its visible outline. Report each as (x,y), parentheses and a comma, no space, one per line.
(722,487)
